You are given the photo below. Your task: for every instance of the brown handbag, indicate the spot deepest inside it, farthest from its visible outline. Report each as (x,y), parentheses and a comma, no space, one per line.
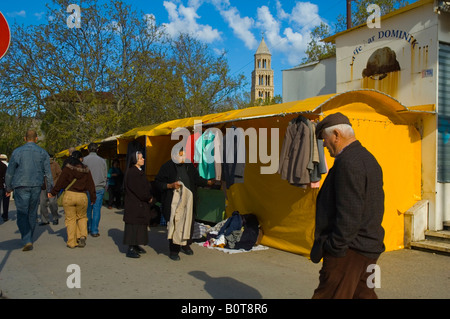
(61,197)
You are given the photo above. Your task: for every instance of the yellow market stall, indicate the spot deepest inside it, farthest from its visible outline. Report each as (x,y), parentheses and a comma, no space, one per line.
(286,213)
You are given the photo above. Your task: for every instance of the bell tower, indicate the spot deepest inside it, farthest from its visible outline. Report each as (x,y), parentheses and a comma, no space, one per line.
(262,75)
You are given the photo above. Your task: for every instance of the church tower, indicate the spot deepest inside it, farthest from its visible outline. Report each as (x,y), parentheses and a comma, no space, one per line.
(262,75)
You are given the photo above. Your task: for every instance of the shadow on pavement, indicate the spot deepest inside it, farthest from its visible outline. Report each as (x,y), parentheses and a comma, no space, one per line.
(226,287)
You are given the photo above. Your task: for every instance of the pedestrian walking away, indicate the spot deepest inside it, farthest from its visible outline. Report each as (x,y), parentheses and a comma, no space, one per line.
(75,200)
(349,211)
(27,168)
(97,166)
(45,201)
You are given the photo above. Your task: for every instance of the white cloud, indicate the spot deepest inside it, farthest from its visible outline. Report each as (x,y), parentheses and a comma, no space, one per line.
(240,26)
(39,15)
(271,28)
(292,41)
(14,14)
(184,20)
(305,15)
(219,51)
(285,32)
(195,3)
(281,14)
(150,19)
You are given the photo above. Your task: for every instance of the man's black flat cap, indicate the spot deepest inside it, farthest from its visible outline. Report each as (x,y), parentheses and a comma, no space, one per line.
(331,120)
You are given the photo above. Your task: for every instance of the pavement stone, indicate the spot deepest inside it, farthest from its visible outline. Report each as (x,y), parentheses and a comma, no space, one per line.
(106,273)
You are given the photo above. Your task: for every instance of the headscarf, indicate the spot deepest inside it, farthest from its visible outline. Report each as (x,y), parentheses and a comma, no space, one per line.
(134,158)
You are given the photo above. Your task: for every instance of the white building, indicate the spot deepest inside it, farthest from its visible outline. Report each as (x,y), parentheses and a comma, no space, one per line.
(408,58)
(321,77)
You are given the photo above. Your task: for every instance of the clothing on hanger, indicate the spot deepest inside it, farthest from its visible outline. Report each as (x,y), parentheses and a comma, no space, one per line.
(234,155)
(301,158)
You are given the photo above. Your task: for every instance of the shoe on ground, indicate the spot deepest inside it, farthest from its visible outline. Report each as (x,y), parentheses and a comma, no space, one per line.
(95,235)
(174,257)
(55,222)
(132,253)
(82,242)
(187,251)
(27,247)
(139,249)
(43,223)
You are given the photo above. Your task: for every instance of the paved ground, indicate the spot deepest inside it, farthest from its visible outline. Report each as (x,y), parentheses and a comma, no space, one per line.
(105,272)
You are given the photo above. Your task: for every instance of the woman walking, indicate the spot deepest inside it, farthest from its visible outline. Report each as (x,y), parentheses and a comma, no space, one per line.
(137,207)
(75,199)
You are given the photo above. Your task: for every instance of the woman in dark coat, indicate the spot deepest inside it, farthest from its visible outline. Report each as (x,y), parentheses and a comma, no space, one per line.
(137,207)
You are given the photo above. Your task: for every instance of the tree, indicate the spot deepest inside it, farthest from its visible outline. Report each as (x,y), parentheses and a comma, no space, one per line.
(318,50)
(117,71)
(12,131)
(277,99)
(203,79)
(360,14)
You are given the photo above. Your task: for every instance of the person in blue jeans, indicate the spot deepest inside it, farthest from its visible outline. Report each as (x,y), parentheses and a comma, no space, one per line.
(27,168)
(97,166)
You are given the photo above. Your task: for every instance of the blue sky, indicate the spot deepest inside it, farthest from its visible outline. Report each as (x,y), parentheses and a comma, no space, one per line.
(232,25)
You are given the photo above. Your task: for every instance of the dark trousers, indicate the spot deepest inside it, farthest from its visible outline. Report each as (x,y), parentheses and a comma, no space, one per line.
(345,277)
(5,202)
(114,195)
(174,248)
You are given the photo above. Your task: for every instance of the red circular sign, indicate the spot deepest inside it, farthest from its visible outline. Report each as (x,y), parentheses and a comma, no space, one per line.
(5,36)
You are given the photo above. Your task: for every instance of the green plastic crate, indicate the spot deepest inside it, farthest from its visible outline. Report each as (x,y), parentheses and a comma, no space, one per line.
(210,205)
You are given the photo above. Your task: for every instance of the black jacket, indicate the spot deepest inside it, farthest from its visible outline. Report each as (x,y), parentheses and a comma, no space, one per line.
(168,174)
(137,197)
(3,168)
(350,206)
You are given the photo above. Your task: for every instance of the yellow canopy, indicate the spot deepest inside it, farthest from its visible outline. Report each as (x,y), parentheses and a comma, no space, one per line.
(379,101)
(65,153)
(307,105)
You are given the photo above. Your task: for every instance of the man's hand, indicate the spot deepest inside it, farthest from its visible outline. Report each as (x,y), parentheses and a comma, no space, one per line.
(174,185)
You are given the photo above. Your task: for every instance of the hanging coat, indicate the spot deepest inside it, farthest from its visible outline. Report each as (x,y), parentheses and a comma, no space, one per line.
(296,153)
(233,166)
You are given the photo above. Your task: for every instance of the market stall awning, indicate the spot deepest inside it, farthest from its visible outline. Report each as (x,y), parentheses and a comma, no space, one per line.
(315,105)
(383,103)
(65,153)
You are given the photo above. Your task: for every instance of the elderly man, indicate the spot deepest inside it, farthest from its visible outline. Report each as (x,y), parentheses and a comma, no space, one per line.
(27,168)
(349,211)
